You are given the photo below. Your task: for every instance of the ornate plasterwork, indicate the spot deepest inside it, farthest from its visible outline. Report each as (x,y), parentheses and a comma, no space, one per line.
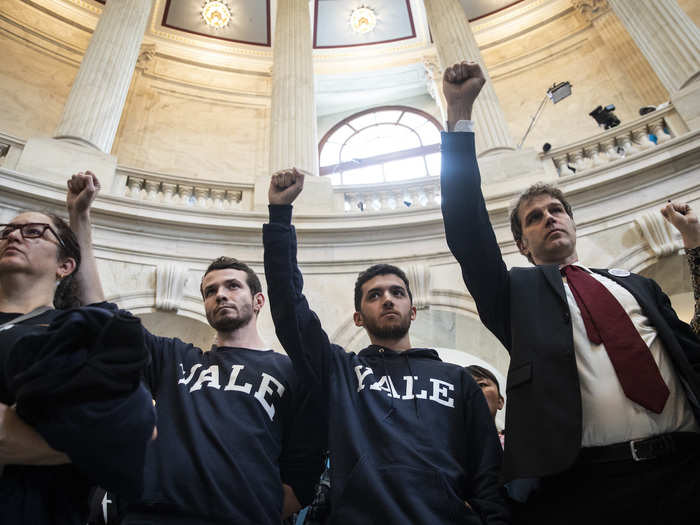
(591,9)
(146,56)
(662,238)
(170,286)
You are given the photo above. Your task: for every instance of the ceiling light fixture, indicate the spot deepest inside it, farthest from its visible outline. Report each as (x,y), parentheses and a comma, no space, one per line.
(216,13)
(363,20)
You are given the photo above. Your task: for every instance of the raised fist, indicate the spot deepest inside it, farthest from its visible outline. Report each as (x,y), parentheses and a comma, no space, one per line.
(83,187)
(685,221)
(461,84)
(286,185)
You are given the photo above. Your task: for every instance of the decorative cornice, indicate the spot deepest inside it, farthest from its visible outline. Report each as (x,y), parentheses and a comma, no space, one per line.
(591,9)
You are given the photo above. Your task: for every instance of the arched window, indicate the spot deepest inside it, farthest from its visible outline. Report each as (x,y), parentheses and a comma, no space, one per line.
(386,144)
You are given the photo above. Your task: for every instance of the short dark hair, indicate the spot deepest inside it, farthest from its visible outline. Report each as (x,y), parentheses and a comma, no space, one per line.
(372,272)
(224,263)
(66,295)
(539,188)
(479,372)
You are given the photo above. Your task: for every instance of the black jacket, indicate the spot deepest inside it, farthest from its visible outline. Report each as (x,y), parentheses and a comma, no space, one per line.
(526,309)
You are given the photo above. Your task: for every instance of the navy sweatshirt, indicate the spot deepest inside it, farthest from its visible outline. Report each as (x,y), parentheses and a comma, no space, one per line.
(232,425)
(411,437)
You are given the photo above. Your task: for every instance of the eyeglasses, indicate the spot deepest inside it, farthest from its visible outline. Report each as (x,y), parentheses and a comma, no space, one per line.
(30,230)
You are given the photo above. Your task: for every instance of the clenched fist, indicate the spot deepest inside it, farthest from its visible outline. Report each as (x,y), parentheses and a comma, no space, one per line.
(685,221)
(83,187)
(461,84)
(286,185)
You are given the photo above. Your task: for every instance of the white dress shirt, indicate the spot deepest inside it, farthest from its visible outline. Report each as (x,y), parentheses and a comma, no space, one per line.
(609,416)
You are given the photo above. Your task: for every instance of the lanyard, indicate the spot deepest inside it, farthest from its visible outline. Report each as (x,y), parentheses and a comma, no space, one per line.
(34,313)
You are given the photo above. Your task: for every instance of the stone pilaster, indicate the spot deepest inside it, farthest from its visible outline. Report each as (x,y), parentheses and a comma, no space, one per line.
(94,107)
(433,80)
(455,42)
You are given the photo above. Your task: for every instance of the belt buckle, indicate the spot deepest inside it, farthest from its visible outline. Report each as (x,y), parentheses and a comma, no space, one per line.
(633,449)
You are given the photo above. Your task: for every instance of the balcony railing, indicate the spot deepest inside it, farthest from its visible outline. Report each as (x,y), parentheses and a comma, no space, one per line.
(614,144)
(421,193)
(179,191)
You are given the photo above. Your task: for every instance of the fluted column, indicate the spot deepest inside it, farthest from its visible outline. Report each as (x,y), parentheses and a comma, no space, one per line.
(293,113)
(94,107)
(667,37)
(627,59)
(455,42)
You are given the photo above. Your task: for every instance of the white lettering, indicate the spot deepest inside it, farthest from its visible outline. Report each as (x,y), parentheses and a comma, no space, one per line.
(187,379)
(386,385)
(209,376)
(441,388)
(235,369)
(409,387)
(361,375)
(265,390)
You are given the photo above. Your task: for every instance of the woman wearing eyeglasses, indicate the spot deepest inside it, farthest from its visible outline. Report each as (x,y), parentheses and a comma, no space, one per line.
(55,378)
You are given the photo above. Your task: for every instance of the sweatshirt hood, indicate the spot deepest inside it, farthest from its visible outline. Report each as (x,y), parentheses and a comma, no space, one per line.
(380,351)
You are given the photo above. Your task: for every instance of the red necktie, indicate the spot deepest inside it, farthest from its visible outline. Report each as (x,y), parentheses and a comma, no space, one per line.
(607,322)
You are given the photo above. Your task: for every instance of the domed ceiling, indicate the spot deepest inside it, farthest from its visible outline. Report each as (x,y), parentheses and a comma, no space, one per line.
(336,23)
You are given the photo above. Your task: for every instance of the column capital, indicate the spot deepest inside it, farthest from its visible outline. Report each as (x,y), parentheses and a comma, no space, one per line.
(591,9)
(147,53)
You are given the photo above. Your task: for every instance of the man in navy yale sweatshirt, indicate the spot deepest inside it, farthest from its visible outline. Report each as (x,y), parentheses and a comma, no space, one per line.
(411,438)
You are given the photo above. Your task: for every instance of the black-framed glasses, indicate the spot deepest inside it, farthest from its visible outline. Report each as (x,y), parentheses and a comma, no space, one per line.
(30,230)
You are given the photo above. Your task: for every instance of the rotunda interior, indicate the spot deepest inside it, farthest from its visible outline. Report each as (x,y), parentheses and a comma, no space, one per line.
(184,115)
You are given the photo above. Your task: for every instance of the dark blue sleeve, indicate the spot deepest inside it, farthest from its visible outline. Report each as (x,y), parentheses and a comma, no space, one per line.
(484,491)
(470,236)
(296,325)
(301,462)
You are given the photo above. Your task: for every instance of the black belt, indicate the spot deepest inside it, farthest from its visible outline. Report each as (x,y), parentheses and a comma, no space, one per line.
(642,449)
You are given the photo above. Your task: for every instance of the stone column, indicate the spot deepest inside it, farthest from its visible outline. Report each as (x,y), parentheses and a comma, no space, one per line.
(84,137)
(433,80)
(455,42)
(627,61)
(293,113)
(670,41)
(293,141)
(94,107)
(666,35)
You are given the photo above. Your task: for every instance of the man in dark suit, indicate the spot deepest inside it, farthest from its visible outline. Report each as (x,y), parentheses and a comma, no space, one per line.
(604,383)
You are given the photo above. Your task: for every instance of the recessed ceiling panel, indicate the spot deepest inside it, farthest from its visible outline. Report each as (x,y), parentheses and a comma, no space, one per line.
(249,23)
(389,20)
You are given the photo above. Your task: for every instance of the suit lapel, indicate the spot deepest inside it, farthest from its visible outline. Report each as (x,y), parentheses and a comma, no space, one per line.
(551,273)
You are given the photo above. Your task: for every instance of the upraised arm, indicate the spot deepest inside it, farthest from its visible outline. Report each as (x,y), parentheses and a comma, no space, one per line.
(297,326)
(83,187)
(686,222)
(468,230)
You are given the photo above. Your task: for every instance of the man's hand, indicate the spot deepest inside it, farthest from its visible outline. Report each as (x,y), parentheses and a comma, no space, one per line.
(20,444)
(285,186)
(83,187)
(685,221)
(461,84)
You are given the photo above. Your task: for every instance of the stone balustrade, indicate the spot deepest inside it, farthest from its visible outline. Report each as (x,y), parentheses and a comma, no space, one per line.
(179,191)
(614,144)
(422,193)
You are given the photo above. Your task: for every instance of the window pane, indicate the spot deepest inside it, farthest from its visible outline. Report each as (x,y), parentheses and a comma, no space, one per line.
(329,154)
(412,120)
(390,116)
(404,169)
(368,175)
(429,134)
(341,135)
(433,161)
(365,120)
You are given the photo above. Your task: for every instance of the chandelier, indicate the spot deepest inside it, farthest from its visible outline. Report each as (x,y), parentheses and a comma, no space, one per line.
(363,20)
(216,13)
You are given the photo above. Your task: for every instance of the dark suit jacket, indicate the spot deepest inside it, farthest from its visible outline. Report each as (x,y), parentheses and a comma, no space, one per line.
(526,309)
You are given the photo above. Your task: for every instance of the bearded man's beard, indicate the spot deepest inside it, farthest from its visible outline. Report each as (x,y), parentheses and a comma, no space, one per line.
(228,324)
(387,331)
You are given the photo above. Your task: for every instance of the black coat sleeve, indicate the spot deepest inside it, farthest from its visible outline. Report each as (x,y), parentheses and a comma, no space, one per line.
(296,325)
(470,236)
